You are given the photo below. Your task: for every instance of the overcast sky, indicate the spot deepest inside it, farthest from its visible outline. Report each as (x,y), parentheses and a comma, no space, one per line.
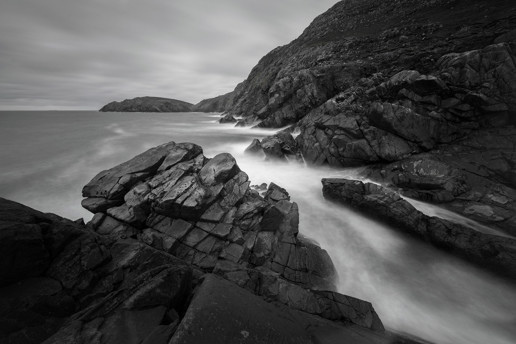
(81,54)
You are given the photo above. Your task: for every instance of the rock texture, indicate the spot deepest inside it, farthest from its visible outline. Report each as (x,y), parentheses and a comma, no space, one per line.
(180,250)
(356,39)
(67,284)
(422,92)
(487,250)
(148,104)
(203,212)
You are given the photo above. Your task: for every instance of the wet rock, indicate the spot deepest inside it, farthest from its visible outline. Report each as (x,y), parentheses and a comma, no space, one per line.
(490,251)
(203,211)
(255,148)
(281,146)
(276,193)
(228,119)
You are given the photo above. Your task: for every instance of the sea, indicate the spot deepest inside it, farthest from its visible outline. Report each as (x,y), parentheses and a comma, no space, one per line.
(46,157)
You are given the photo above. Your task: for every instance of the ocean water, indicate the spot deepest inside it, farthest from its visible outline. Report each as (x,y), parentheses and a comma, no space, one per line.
(46,157)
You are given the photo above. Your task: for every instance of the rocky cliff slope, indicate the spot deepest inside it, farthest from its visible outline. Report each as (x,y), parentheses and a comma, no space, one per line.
(421,92)
(148,104)
(180,250)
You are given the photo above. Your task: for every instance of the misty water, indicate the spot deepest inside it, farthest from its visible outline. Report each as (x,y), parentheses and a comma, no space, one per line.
(46,158)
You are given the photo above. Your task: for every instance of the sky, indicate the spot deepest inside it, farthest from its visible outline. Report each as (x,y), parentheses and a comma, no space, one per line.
(82,54)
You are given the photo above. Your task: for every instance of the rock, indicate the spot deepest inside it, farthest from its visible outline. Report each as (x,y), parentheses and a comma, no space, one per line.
(21,230)
(281,146)
(227,119)
(276,193)
(237,315)
(255,148)
(395,93)
(490,251)
(86,285)
(148,104)
(219,170)
(204,212)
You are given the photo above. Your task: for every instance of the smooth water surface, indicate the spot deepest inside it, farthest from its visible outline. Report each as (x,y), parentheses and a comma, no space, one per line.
(46,158)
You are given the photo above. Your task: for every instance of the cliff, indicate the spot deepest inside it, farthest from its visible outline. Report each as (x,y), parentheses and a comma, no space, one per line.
(148,104)
(421,93)
(358,39)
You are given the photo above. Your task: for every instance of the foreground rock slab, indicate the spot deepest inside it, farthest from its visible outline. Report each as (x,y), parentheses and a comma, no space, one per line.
(494,252)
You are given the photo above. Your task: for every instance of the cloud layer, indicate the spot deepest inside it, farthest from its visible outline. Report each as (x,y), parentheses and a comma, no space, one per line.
(62,54)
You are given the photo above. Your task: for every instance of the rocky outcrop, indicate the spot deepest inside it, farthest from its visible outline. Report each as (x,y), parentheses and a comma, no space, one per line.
(75,286)
(497,253)
(227,119)
(148,104)
(387,84)
(280,146)
(178,243)
(204,212)
(357,39)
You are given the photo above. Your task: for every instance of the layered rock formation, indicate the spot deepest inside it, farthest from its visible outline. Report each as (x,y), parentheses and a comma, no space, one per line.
(498,253)
(148,104)
(422,92)
(178,243)
(356,39)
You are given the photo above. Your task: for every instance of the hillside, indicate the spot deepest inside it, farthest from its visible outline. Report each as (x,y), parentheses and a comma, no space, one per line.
(148,104)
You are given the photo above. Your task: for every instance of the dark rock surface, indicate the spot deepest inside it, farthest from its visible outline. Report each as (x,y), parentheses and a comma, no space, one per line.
(355,40)
(422,91)
(148,104)
(182,251)
(203,211)
(228,119)
(498,253)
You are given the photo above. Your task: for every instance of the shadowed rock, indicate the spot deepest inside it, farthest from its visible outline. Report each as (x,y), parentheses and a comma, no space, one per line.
(497,253)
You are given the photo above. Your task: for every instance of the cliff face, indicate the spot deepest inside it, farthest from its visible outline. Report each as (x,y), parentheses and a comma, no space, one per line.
(218,104)
(148,104)
(424,91)
(357,39)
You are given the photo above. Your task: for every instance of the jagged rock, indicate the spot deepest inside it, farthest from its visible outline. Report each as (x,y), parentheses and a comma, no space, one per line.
(255,148)
(148,104)
(90,287)
(228,119)
(203,211)
(276,193)
(487,250)
(398,91)
(281,146)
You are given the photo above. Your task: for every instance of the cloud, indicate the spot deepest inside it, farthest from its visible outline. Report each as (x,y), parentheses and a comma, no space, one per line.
(65,54)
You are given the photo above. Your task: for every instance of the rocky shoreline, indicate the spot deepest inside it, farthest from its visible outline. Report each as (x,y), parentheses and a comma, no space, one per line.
(425,103)
(177,242)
